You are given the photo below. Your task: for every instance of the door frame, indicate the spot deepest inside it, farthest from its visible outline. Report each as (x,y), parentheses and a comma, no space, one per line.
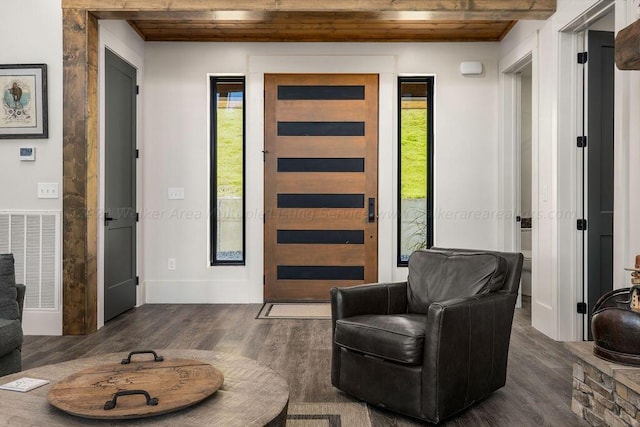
(513,132)
(107,40)
(571,124)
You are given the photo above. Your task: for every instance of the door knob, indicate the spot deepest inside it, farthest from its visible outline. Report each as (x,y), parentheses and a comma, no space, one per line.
(108,219)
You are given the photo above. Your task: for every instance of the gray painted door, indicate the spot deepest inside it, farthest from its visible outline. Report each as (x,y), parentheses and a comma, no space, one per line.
(120,187)
(600,166)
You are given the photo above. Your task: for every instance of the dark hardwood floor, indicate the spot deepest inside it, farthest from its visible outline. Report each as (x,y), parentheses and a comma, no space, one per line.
(538,390)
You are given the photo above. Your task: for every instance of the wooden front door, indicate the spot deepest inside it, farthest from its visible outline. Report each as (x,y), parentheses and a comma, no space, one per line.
(321,184)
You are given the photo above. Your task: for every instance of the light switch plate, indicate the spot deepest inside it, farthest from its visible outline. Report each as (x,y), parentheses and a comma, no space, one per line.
(48,190)
(175,193)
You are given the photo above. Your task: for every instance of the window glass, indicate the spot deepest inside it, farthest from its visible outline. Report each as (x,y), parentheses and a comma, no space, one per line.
(415,168)
(227,140)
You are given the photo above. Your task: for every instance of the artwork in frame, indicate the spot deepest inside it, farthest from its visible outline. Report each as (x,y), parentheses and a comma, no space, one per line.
(23,101)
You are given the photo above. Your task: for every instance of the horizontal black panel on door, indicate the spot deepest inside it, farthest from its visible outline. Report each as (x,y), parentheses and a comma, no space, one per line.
(321,200)
(320,128)
(321,164)
(320,92)
(305,272)
(310,237)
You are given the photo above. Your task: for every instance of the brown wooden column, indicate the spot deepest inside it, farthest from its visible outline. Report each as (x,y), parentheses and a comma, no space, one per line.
(80,172)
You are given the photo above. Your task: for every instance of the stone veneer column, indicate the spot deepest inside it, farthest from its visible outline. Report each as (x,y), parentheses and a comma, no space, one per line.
(604,393)
(80,172)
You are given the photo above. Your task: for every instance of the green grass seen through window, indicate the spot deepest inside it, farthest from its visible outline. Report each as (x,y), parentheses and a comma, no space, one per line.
(414,153)
(229,151)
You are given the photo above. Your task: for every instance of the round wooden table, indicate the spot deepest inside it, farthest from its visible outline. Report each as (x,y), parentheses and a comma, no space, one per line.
(252,395)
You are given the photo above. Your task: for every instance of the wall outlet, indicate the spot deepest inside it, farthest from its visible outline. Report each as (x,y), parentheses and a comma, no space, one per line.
(171,264)
(48,190)
(175,193)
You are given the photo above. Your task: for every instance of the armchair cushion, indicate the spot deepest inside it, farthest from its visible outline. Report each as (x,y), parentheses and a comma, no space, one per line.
(398,337)
(10,336)
(436,276)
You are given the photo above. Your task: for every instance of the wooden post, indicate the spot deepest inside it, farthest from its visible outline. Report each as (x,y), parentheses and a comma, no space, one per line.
(628,47)
(80,155)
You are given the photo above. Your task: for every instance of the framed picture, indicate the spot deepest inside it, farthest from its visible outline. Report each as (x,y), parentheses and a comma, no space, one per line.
(23,101)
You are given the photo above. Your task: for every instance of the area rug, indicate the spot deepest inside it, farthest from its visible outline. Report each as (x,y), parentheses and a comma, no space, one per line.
(306,310)
(324,414)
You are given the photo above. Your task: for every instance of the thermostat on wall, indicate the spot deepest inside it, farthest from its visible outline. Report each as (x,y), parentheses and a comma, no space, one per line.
(27,153)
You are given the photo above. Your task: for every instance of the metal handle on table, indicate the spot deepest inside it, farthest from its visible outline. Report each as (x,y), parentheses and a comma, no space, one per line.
(111,404)
(156,358)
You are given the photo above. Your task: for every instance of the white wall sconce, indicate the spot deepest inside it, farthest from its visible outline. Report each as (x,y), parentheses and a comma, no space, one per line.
(471,68)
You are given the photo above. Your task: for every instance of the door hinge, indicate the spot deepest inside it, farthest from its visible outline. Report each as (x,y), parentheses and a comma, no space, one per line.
(582,224)
(582,307)
(264,279)
(137,153)
(137,90)
(582,57)
(137,281)
(137,217)
(582,141)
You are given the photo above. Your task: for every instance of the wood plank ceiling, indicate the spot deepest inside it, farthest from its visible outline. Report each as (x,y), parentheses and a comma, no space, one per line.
(322,27)
(319,21)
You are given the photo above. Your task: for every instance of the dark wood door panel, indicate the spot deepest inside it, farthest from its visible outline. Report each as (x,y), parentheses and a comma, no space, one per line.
(301,255)
(321,183)
(309,218)
(303,290)
(321,111)
(321,146)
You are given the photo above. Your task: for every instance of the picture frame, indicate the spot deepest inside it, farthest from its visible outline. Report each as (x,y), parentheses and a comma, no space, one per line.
(23,101)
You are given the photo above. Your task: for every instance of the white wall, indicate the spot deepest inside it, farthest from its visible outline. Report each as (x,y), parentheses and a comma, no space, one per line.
(556,276)
(626,232)
(38,42)
(468,155)
(176,153)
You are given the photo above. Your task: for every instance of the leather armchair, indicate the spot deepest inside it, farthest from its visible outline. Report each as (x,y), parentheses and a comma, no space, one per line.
(11,306)
(433,345)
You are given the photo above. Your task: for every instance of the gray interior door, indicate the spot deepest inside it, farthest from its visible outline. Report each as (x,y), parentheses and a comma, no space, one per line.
(120,187)
(600,166)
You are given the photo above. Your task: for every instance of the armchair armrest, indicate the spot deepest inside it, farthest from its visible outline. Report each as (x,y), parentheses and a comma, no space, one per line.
(21,291)
(375,298)
(466,350)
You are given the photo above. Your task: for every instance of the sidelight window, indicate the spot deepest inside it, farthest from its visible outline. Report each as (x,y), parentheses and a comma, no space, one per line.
(227,170)
(415,168)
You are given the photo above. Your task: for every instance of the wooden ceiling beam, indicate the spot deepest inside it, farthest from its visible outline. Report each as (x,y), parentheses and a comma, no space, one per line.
(412,9)
(628,47)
